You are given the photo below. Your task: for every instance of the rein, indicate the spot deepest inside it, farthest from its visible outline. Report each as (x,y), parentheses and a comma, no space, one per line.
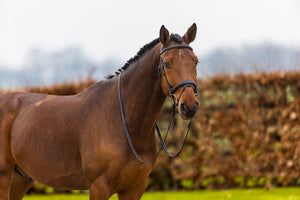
(175,99)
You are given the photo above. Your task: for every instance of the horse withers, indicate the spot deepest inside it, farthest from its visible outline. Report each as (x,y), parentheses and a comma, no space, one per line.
(79,142)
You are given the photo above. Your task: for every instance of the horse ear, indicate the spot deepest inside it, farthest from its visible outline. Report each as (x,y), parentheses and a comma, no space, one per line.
(164,36)
(190,35)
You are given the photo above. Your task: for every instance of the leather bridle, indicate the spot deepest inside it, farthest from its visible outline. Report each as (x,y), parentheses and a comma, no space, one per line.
(175,99)
(184,84)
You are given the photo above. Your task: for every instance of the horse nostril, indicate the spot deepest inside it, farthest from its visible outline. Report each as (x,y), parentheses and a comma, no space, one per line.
(183,107)
(196,106)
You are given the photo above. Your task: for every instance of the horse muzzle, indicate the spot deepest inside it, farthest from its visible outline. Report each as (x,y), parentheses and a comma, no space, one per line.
(187,112)
(187,103)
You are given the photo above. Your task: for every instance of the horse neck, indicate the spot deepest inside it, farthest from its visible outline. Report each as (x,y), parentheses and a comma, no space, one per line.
(142,95)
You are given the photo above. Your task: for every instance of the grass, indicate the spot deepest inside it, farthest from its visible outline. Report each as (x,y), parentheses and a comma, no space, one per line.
(234,194)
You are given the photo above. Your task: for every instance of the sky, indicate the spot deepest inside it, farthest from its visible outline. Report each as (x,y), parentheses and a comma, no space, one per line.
(118,29)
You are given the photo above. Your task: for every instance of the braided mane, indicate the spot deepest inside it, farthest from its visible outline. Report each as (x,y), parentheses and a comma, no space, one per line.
(174,37)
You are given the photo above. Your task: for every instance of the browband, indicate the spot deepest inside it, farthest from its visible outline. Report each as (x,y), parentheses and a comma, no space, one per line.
(175,47)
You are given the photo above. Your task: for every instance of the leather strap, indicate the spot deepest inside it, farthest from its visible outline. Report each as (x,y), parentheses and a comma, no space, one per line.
(175,47)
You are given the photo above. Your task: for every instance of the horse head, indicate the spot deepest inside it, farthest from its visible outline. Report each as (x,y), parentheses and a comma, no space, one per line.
(177,70)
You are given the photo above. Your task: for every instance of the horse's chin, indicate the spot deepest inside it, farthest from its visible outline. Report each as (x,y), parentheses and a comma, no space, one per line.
(185,117)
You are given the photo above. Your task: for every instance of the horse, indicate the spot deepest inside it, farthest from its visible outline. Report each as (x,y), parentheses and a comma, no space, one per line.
(78,142)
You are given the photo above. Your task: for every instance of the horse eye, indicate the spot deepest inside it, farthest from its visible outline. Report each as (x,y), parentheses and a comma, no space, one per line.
(167,65)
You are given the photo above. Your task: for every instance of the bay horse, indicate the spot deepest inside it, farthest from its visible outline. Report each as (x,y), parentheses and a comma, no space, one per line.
(78,142)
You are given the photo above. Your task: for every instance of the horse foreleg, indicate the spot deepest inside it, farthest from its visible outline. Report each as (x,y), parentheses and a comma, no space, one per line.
(6,166)
(19,187)
(133,193)
(99,190)
(6,170)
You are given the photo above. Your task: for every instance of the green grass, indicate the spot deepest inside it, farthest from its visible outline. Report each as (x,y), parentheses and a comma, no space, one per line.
(234,194)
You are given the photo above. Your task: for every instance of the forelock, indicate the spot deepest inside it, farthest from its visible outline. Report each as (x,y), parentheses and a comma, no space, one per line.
(176,38)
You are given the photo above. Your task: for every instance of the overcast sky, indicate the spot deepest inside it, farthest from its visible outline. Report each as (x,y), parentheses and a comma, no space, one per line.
(118,28)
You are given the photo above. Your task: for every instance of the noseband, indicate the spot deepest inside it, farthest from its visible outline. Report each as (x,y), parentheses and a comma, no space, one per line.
(172,90)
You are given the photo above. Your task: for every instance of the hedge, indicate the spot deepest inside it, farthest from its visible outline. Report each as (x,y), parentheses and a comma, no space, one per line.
(245,134)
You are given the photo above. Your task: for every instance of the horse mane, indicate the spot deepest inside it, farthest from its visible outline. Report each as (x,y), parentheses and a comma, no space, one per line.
(174,37)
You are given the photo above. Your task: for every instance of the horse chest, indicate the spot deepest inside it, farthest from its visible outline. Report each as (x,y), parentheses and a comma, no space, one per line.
(132,173)
(115,165)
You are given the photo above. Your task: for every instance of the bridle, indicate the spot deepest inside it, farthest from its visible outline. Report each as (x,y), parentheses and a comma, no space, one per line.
(175,99)
(184,84)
